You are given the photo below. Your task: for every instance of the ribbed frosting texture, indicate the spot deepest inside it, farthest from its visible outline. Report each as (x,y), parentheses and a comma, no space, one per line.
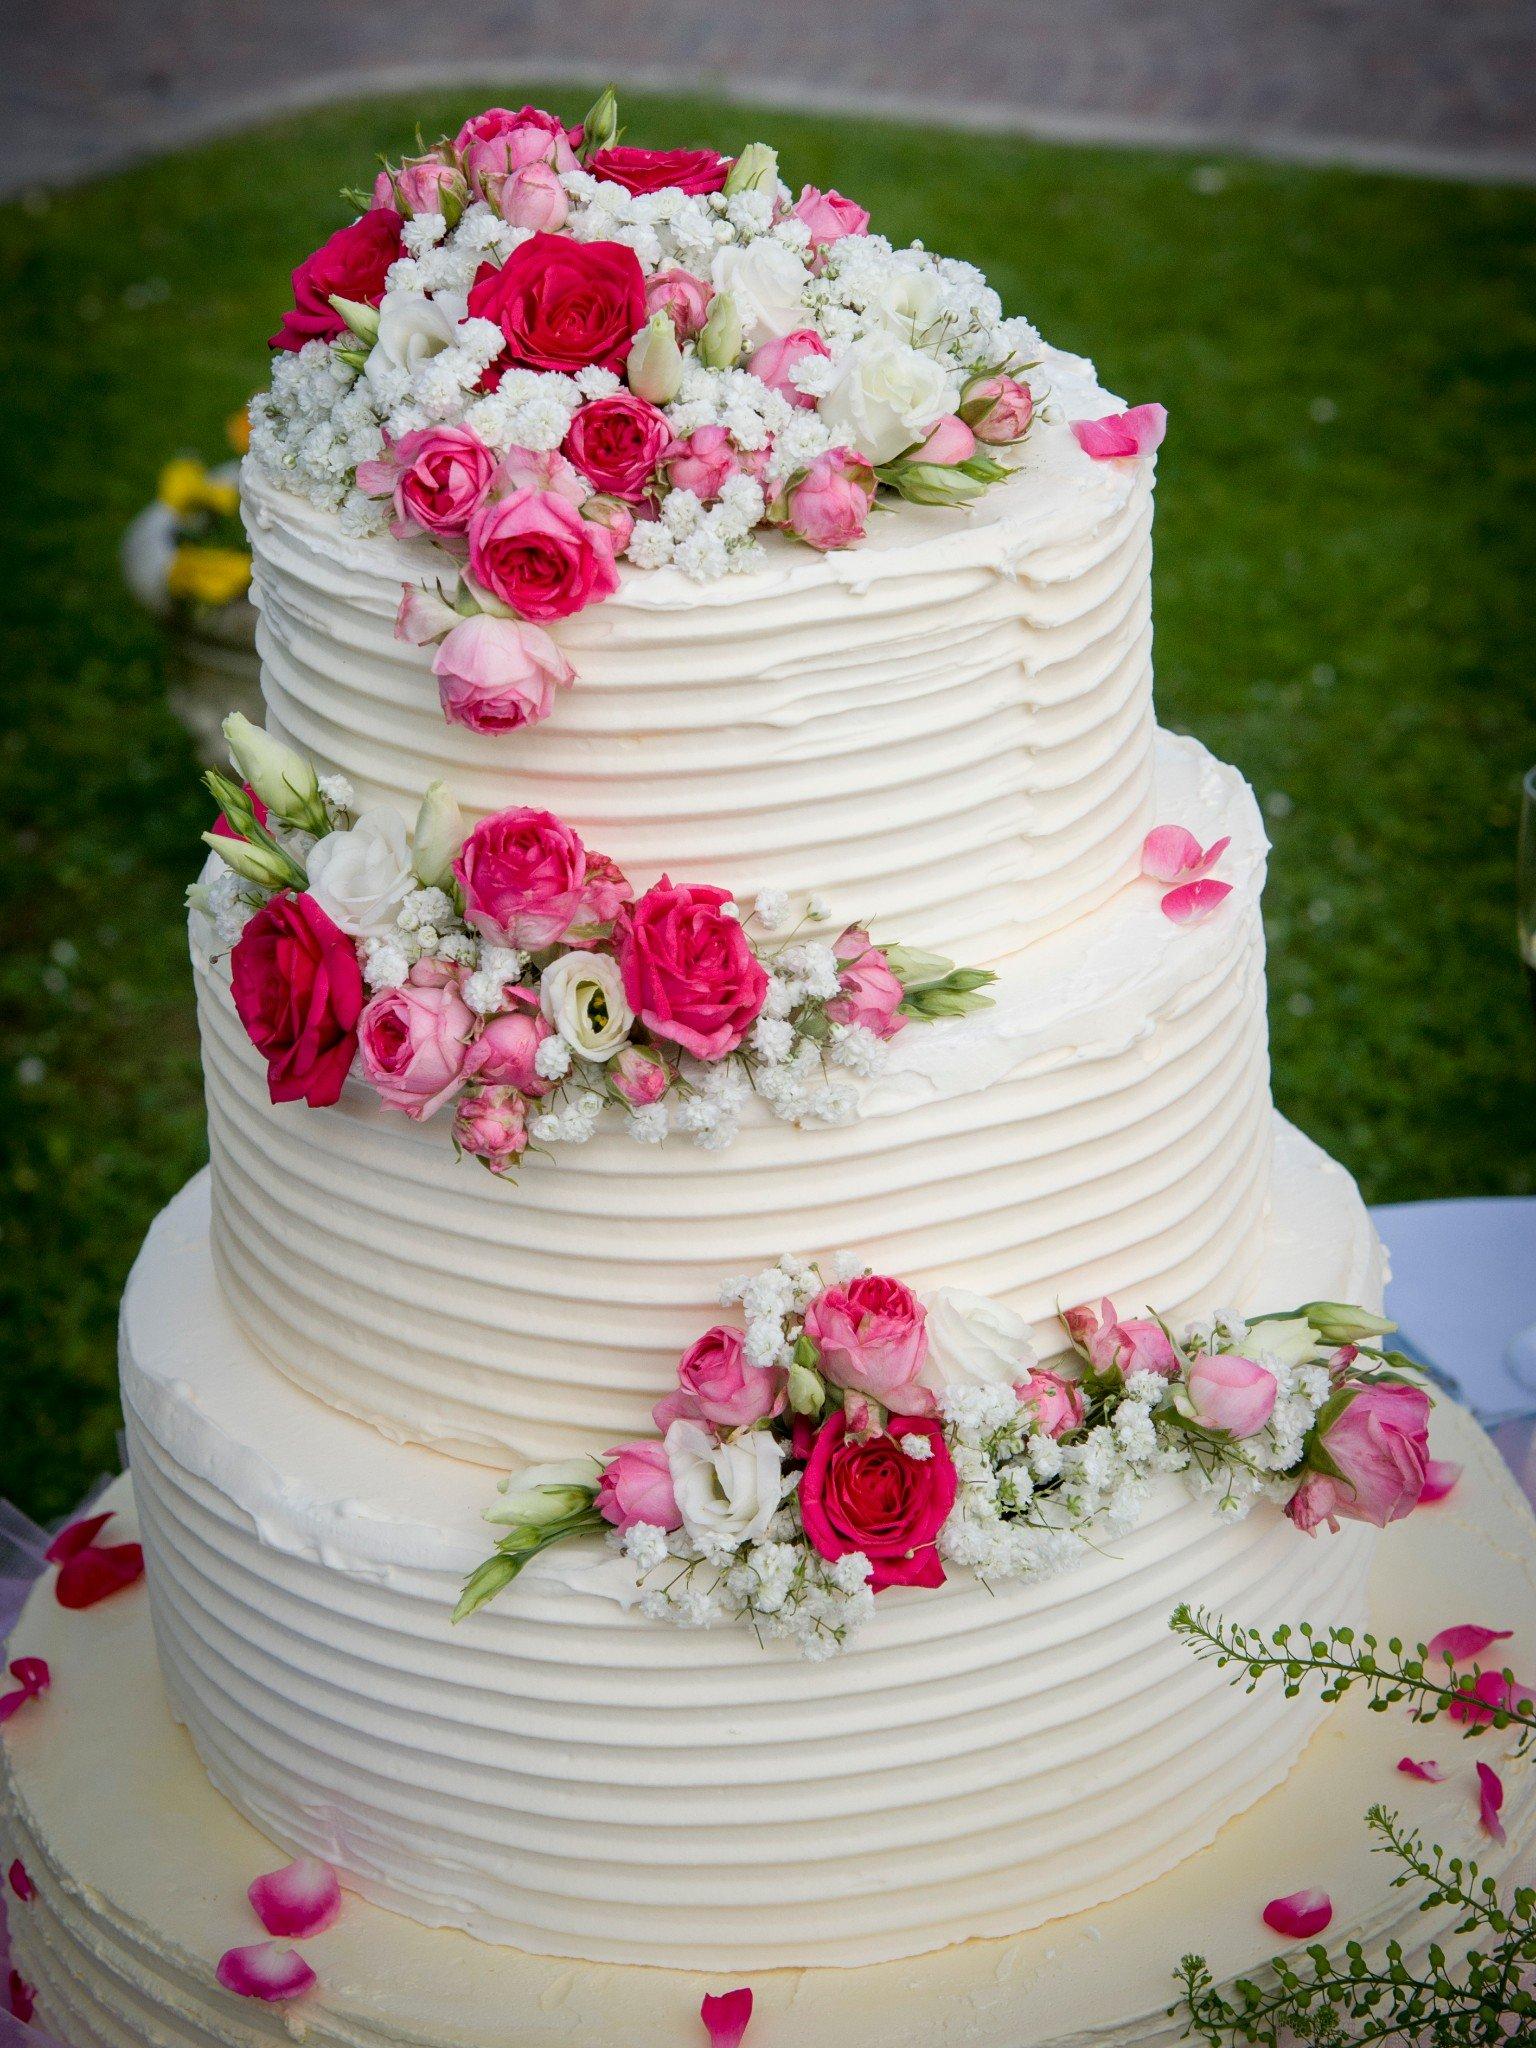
(564,1776)
(948,729)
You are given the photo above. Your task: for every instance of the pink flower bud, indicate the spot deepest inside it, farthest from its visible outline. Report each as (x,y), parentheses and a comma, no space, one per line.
(1231,1393)
(999,409)
(949,443)
(636,1486)
(639,1076)
(686,297)
(497,675)
(509,1046)
(826,507)
(423,616)
(1377,1445)
(1111,1343)
(772,363)
(716,1384)
(491,1126)
(430,186)
(870,995)
(532,197)
(829,216)
(612,514)
(703,464)
(1056,1400)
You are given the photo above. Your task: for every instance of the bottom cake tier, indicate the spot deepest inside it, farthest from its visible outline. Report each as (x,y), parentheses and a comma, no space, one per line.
(137,1869)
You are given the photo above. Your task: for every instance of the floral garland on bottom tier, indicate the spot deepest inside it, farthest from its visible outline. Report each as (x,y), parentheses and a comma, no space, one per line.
(850,1439)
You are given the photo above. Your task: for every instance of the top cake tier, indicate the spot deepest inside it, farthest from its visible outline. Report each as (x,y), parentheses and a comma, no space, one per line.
(947,729)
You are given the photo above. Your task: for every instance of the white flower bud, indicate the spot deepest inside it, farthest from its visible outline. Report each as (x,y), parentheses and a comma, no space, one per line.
(719,343)
(654,365)
(437,838)
(268,869)
(755,170)
(284,780)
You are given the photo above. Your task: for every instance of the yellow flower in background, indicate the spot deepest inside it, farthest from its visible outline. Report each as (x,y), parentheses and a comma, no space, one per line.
(237,430)
(212,576)
(186,487)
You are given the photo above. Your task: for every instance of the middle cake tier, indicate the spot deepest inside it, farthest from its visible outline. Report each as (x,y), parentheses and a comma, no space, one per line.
(1104,1129)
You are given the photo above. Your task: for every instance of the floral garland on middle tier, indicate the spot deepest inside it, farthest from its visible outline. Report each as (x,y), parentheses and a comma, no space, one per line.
(517,975)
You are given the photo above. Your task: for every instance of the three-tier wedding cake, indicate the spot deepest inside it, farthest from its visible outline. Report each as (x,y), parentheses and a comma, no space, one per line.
(748,1262)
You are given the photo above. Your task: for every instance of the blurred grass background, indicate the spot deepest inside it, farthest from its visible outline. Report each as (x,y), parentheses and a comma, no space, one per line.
(1344,554)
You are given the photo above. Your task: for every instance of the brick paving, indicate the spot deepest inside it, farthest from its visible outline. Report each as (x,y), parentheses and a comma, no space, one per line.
(1443,86)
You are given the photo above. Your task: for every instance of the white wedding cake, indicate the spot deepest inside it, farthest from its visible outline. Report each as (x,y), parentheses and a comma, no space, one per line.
(710,766)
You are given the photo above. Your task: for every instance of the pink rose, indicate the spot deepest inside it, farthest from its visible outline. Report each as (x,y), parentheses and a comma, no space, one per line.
(773,362)
(689,970)
(522,873)
(636,1486)
(827,505)
(351,265)
(829,216)
(532,197)
(491,1125)
(542,469)
(508,1047)
(1110,1344)
(871,994)
(614,516)
(686,297)
(1229,1393)
(424,615)
(715,1384)
(414,1043)
(950,442)
(703,464)
(639,1076)
(540,557)
(498,142)
(616,443)
(1056,1400)
(654,170)
(873,1338)
(496,675)
(868,1493)
(1376,1439)
(423,185)
(606,891)
(438,477)
(999,409)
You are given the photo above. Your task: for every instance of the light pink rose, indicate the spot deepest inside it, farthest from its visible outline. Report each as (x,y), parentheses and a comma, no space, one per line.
(438,477)
(522,873)
(497,675)
(703,464)
(872,1336)
(772,363)
(829,216)
(544,469)
(1056,1400)
(636,1486)
(498,142)
(999,408)
(424,615)
(871,994)
(540,557)
(716,1384)
(491,1125)
(1234,1394)
(414,1044)
(685,297)
(508,1046)
(532,197)
(1378,1447)
(612,514)
(1110,1343)
(950,442)
(639,1076)
(827,505)
(423,184)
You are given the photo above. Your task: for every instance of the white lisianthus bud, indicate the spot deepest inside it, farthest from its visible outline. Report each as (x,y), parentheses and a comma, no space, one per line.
(362,320)
(755,170)
(268,868)
(600,124)
(582,995)
(285,781)
(655,363)
(543,1494)
(437,838)
(1339,1322)
(930,483)
(719,342)
(807,1390)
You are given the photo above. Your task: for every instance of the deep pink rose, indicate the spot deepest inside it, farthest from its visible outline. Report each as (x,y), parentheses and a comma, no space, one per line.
(1231,1393)
(616,443)
(829,216)
(1378,1447)
(873,1338)
(414,1044)
(686,297)
(703,464)
(636,1486)
(497,675)
(826,506)
(639,1076)
(772,363)
(299,991)
(539,556)
(1056,1400)
(871,994)
(491,1125)
(532,198)
(651,170)
(715,1384)
(498,142)
(950,442)
(563,304)
(437,476)
(866,1493)
(689,971)
(1128,1346)
(509,1045)
(351,265)
(999,409)
(522,873)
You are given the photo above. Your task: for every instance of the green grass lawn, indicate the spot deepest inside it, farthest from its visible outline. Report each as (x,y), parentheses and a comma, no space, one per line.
(1343,608)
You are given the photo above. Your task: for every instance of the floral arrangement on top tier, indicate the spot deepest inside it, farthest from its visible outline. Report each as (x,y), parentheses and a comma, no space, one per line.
(850,1439)
(520,977)
(542,350)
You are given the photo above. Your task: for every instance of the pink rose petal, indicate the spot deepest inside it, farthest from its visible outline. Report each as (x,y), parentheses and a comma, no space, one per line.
(20,1883)
(1136,432)
(1441,1476)
(21,1998)
(1465,1642)
(265,1970)
(1300,1915)
(726,2017)
(32,1677)
(97,1572)
(1192,901)
(1171,853)
(1491,1790)
(1492,1694)
(1427,1770)
(75,1537)
(298,1901)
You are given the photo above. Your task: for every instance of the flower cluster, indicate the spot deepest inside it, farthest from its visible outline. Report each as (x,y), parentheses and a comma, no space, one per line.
(848,1438)
(509,971)
(544,350)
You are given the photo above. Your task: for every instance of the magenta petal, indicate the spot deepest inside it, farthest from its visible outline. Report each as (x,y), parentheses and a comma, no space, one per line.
(1300,1915)
(1169,852)
(265,1970)
(33,1678)
(726,2017)
(1492,1694)
(1491,1789)
(1427,1770)
(1440,1480)
(1136,432)
(19,1881)
(299,1901)
(75,1537)
(1465,1641)
(1192,901)
(97,1572)
(21,1997)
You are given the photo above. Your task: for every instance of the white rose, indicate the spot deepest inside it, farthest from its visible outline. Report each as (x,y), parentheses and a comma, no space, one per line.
(767,284)
(361,877)
(728,1493)
(885,396)
(974,1341)
(412,329)
(582,995)
(909,301)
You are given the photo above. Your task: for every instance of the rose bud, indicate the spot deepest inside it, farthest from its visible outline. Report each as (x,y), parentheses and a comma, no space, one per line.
(829,216)
(1230,1393)
(424,616)
(497,675)
(949,443)
(717,1384)
(654,366)
(1057,1401)
(508,1048)
(997,409)
(683,297)
(532,197)
(826,505)
(491,1126)
(772,363)
(431,186)
(703,464)
(612,514)
(639,1076)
